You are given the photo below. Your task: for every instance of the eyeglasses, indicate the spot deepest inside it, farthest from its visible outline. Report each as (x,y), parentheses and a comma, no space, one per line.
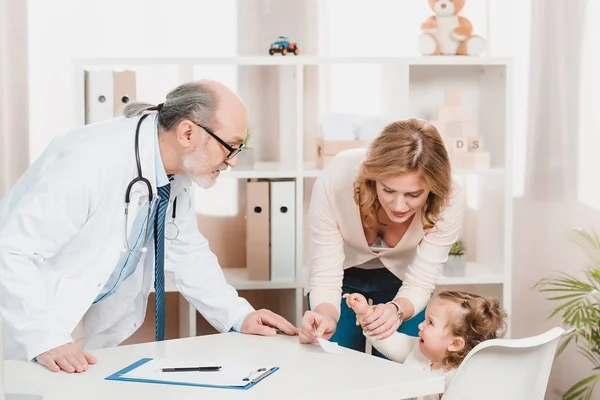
(233,151)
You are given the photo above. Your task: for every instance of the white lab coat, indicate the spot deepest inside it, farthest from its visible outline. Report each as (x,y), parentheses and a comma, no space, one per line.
(62,232)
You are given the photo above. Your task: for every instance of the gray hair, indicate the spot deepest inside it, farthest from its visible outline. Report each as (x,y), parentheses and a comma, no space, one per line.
(193,100)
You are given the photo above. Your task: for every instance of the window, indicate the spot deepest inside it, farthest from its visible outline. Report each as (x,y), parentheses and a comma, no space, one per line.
(589,121)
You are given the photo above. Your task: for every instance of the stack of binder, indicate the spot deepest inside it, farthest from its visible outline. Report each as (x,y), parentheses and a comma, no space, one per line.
(107,92)
(271,230)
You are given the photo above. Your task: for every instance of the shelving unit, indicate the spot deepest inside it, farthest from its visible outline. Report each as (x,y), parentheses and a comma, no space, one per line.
(288,88)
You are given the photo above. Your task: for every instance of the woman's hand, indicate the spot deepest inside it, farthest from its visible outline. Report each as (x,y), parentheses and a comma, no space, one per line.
(315,325)
(382,322)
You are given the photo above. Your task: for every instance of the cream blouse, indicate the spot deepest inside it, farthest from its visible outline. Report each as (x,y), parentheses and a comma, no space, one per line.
(337,240)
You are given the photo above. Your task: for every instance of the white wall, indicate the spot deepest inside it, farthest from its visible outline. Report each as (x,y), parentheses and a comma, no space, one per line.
(541,248)
(13,93)
(62,30)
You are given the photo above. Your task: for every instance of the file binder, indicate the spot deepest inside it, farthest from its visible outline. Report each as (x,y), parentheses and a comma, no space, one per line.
(149,372)
(99,99)
(106,93)
(124,89)
(283,231)
(258,262)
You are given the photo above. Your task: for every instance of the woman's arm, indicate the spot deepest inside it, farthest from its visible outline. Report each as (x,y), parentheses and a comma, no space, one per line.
(421,277)
(326,247)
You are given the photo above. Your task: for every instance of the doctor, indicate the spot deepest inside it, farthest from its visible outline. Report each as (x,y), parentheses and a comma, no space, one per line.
(76,269)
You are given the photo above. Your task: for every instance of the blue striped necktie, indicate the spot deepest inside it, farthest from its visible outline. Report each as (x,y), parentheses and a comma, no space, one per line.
(159,259)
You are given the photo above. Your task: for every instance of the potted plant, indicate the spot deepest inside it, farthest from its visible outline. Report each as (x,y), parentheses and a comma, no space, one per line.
(578,305)
(246,156)
(457,261)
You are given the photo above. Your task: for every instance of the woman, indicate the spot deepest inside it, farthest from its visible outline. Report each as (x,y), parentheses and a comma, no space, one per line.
(382,222)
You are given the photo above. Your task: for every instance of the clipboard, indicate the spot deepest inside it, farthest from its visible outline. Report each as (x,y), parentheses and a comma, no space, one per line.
(248,380)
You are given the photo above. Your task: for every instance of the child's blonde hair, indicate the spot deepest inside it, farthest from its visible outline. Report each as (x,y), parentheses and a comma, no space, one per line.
(479,319)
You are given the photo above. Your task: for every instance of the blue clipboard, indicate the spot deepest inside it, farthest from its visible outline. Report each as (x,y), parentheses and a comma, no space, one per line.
(118,376)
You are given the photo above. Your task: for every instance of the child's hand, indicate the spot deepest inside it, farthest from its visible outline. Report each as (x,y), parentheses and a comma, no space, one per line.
(358,303)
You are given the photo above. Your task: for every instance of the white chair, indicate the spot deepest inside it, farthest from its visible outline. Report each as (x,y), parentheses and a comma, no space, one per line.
(500,369)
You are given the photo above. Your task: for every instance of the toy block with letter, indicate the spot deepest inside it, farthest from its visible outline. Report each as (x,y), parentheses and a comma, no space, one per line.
(475,144)
(460,133)
(459,144)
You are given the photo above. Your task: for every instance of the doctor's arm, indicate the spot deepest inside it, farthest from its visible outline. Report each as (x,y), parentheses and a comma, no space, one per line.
(196,272)
(35,229)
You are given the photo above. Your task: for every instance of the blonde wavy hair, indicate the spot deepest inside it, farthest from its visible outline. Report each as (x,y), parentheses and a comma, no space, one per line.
(411,145)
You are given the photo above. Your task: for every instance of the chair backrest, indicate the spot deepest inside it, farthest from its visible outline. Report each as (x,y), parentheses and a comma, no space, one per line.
(499,369)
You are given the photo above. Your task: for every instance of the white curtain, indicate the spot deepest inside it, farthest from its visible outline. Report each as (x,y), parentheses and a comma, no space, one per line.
(561,187)
(557,33)
(14,131)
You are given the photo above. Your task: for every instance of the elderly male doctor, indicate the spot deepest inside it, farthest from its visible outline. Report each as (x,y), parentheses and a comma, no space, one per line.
(66,259)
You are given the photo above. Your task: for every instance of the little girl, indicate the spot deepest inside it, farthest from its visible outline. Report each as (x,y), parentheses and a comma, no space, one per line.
(455,322)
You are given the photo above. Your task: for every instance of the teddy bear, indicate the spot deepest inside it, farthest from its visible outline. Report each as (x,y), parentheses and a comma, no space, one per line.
(447,33)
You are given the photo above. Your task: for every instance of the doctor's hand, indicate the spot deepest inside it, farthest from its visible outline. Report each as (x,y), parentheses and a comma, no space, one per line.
(68,357)
(315,325)
(265,322)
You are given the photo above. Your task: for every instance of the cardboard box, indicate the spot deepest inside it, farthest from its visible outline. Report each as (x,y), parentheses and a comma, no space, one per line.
(326,149)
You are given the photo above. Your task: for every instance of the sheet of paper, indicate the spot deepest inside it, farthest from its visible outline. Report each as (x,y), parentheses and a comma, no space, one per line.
(329,347)
(229,375)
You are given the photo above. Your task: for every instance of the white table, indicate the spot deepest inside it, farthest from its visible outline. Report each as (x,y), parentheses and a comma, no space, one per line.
(306,372)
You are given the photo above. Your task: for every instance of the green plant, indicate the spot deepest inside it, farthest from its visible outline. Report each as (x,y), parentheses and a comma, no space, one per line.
(247,139)
(457,248)
(579,310)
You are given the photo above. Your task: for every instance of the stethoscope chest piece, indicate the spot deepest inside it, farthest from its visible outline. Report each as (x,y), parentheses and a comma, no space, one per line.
(171,231)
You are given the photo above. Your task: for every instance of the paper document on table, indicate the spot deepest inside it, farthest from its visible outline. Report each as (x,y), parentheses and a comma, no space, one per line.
(230,375)
(329,347)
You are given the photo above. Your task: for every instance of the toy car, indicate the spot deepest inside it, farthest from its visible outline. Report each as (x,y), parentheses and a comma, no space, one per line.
(283,45)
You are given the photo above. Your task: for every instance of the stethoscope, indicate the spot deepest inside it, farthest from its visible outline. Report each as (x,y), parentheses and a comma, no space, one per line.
(171,229)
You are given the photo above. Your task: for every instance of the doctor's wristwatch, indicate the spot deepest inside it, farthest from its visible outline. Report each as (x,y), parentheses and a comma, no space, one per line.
(399,310)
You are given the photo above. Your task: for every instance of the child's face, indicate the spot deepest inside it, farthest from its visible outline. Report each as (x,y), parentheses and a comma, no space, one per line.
(436,340)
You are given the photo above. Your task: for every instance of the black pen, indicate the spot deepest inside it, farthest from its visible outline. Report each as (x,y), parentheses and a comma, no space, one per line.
(192,369)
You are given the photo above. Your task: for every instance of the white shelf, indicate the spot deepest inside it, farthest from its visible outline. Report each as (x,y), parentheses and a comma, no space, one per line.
(238,278)
(310,171)
(475,274)
(478,171)
(293,60)
(261,170)
(413,87)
